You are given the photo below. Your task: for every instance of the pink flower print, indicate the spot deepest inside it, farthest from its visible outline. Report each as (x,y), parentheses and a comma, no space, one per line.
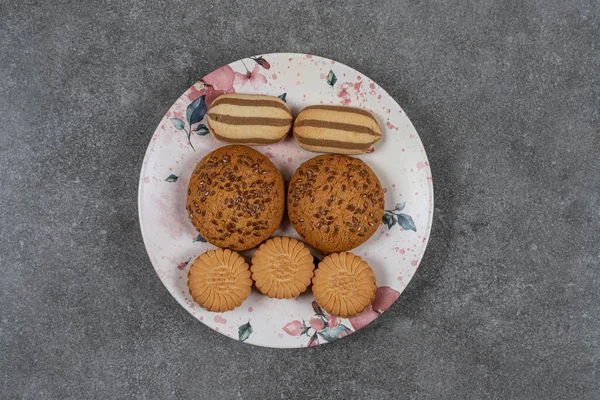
(182,265)
(317,324)
(214,84)
(294,328)
(332,321)
(262,62)
(362,319)
(384,298)
(344,95)
(212,94)
(254,78)
(221,79)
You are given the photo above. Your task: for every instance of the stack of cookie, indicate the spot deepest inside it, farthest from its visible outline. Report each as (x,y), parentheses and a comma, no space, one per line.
(236,200)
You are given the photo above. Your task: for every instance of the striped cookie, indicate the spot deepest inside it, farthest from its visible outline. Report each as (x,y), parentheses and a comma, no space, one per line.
(336,129)
(249,119)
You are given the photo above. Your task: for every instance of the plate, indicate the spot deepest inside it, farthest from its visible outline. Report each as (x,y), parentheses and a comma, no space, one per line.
(399,160)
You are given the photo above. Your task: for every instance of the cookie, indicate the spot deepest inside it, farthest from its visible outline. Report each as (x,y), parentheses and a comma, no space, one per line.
(219,280)
(344,284)
(336,129)
(282,267)
(335,202)
(235,198)
(249,119)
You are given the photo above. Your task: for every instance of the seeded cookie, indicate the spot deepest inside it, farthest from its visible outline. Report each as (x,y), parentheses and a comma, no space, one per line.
(336,129)
(219,280)
(335,202)
(282,267)
(344,284)
(235,197)
(250,119)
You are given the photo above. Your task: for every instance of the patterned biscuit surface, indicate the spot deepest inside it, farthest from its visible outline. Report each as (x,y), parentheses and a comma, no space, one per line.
(219,280)
(344,284)
(282,267)
(336,129)
(249,119)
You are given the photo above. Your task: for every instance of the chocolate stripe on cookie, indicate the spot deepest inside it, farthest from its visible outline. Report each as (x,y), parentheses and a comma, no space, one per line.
(336,125)
(333,143)
(249,103)
(341,109)
(231,120)
(245,140)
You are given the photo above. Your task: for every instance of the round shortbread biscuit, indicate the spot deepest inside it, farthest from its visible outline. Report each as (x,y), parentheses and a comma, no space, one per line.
(282,267)
(219,280)
(344,284)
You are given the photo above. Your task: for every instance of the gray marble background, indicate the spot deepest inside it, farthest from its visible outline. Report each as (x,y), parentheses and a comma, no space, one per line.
(505,96)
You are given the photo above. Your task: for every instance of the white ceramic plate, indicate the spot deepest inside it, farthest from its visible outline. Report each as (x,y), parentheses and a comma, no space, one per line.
(399,160)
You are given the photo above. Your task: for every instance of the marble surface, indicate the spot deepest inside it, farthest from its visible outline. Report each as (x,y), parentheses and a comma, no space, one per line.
(505,96)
